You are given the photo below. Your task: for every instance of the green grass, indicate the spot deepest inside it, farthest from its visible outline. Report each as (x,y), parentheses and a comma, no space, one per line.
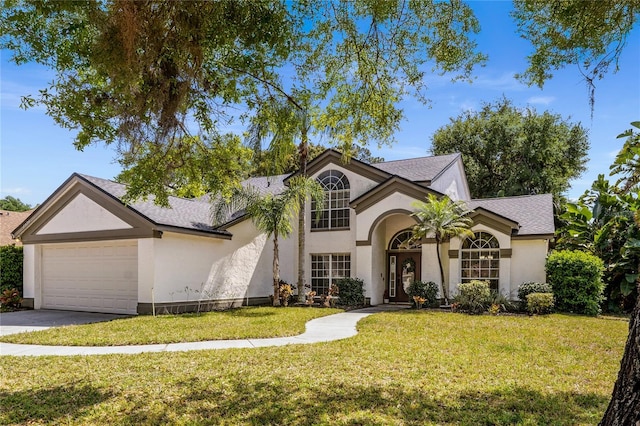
(242,323)
(403,368)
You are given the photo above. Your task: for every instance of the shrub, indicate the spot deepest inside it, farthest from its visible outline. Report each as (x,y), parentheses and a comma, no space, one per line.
(576,280)
(351,291)
(11,268)
(424,290)
(474,297)
(539,303)
(532,287)
(10,298)
(498,302)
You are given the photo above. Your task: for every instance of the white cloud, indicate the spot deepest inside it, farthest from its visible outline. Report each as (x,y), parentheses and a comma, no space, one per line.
(541,100)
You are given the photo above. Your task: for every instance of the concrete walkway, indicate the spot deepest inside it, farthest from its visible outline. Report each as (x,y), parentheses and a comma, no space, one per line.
(324,329)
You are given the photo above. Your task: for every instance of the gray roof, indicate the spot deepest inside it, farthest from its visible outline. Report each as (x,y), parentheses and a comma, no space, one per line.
(267,184)
(184,213)
(534,213)
(418,169)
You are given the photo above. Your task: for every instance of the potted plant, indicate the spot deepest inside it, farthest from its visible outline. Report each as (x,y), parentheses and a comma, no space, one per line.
(385,297)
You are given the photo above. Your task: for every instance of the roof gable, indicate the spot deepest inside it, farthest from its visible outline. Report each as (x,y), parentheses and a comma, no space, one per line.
(144,218)
(390,186)
(421,169)
(533,213)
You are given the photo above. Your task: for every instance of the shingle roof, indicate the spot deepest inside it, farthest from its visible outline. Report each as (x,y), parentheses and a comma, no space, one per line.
(534,213)
(267,184)
(418,169)
(189,214)
(184,213)
(8,222)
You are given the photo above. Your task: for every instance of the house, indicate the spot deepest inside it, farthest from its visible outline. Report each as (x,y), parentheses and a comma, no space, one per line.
(86,250)
(8,222)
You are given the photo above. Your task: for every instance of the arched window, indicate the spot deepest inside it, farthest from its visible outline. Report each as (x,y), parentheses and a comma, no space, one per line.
(334,213)
(402,241)
(480,259)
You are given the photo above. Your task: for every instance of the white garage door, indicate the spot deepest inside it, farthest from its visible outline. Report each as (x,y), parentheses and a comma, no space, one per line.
(93,277)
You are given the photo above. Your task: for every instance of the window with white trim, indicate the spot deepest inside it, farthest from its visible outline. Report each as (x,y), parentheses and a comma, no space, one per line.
(334,213)
(480,259)
(327,269)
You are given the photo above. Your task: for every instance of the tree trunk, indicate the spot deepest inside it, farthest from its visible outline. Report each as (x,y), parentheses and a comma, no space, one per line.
(303,150)
(444,291)
(624,407)
(276,272)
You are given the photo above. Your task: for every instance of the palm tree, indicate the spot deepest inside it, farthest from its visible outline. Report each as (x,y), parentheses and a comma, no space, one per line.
(442,218)
(272,214)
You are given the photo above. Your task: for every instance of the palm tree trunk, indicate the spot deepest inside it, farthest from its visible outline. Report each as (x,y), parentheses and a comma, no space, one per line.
(276,272)
(303,150)
(444,291)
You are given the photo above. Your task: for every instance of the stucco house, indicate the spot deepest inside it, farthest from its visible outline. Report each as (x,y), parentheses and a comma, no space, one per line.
(86,250)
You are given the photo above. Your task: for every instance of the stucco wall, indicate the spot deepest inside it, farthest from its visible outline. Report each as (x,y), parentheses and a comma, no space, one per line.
(82,215)
(31,266)
(217,269)
(527,263)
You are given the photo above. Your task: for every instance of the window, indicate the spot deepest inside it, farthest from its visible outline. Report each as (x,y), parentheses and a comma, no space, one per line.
(480,259)
(402,241)
(335,210)
(326,269)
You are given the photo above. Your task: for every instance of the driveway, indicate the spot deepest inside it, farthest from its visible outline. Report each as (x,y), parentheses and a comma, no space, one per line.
(41,319)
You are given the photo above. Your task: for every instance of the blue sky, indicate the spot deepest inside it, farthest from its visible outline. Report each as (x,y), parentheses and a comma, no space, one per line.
(36,156)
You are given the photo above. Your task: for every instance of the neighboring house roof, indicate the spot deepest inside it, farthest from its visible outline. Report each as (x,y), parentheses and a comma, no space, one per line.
(533,213)
(8,222)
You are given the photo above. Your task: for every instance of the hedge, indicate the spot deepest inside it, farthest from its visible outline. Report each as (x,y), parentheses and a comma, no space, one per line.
(576,279)
(11,268)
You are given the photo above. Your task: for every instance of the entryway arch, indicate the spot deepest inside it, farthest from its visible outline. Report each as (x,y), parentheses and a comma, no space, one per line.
(404,261)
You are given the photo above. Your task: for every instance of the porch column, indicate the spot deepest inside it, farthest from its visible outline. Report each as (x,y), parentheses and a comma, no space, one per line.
(363,271)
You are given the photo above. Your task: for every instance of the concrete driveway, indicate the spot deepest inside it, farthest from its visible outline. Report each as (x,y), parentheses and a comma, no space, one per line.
(41,319)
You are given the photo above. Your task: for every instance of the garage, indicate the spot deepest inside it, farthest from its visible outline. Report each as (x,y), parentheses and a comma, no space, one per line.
(93,277)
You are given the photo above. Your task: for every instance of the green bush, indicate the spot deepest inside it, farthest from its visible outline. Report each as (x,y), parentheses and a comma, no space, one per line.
(351,291)
(11,268)
(576,280)
(532,287)
(427,290)
(474,297)
(539,303)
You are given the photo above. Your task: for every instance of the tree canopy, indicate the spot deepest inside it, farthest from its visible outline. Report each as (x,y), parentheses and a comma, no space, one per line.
(13,204)
(147,72)
(590,35)
(512,151)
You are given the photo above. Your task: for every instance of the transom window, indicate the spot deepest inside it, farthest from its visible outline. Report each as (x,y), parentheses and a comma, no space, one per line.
(402,241)
(334,213)
(327,269)
(480,259)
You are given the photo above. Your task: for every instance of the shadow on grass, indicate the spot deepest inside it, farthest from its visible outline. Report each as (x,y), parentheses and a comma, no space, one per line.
(53,405)
(238,402)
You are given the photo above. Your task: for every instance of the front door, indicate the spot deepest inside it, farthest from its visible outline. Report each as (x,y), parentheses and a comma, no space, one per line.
(404,268)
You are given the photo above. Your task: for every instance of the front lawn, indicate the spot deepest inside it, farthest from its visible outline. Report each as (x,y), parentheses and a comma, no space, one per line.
(241,323)
(402,368)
